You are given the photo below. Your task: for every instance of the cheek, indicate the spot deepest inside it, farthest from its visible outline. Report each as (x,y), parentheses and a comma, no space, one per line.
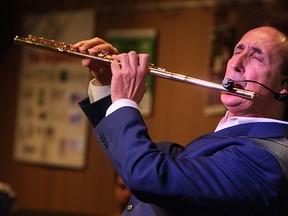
(127,194)
(261,69)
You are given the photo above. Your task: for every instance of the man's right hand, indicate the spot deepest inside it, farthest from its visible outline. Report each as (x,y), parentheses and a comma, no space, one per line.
(101,72)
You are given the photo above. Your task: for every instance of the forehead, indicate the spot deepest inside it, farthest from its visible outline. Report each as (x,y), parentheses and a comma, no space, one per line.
(266,38)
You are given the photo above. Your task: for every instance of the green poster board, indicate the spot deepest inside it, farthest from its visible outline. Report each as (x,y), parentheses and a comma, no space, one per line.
(141,41)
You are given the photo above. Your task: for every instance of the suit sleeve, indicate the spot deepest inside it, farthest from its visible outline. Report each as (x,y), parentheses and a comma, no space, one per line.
(170,149)
(220,172)
(96,111)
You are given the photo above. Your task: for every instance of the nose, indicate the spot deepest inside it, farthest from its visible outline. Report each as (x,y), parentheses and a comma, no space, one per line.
(237,63)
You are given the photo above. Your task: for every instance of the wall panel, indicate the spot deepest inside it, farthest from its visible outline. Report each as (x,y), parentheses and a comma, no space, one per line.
(183,47)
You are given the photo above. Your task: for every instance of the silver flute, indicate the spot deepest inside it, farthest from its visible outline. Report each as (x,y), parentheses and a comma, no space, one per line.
(67,49)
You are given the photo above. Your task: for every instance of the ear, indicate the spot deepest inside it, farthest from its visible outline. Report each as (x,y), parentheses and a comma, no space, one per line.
(283,94)
(284,84)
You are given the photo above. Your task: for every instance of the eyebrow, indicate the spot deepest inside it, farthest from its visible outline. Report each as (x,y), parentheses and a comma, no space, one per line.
(253,48)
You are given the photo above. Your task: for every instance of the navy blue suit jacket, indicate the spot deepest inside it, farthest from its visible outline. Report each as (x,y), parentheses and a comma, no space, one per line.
(223,173)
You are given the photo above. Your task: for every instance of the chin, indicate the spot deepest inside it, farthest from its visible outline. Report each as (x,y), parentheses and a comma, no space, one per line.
(232,100)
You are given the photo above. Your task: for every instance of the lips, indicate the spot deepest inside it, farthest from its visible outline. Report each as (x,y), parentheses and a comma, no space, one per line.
(238,85)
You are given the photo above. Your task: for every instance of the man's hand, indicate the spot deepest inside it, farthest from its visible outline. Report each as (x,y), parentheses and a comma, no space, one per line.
(129,76)
(100,71)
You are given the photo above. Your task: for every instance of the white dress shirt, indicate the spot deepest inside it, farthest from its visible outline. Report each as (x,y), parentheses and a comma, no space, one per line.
(97,92)
(236,120)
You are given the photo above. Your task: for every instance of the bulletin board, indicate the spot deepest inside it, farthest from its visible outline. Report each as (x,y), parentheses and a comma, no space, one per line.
(50,126)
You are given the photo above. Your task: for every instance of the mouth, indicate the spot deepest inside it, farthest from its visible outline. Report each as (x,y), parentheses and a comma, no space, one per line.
(238,86)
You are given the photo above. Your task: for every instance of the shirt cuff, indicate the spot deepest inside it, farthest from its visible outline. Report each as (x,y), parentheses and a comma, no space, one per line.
(97,92)
(124,102)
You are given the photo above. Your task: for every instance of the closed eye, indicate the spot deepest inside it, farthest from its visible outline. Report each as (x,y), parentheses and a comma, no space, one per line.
(258,57)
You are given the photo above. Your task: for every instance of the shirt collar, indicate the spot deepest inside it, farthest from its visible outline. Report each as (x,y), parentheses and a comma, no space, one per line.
(226,122)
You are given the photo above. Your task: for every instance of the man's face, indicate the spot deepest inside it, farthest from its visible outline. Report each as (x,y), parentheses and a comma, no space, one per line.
(122,193)
(258,56)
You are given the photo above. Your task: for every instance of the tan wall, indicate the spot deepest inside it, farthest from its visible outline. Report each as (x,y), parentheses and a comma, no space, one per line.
(183,47)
